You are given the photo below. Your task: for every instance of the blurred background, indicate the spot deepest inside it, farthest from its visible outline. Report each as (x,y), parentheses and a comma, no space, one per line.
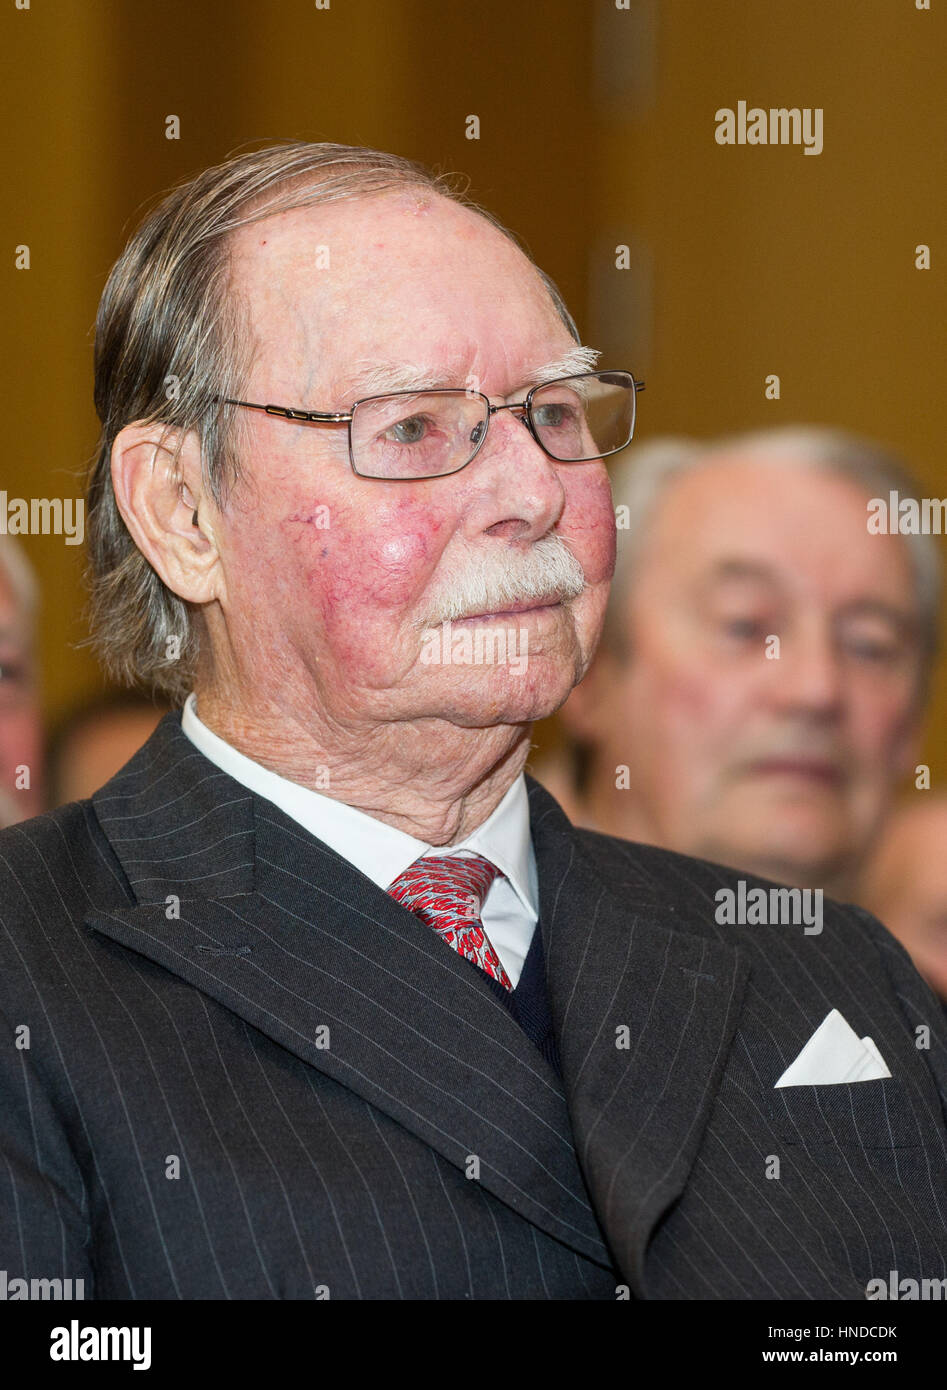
(596,130)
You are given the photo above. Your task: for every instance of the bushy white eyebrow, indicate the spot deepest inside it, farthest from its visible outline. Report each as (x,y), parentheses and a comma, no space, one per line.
(377,378)
(573,363)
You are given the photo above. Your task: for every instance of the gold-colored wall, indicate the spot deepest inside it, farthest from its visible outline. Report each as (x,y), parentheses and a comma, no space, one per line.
(596,129)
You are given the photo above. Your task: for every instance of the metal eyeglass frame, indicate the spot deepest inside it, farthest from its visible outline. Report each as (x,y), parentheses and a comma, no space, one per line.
(345,417)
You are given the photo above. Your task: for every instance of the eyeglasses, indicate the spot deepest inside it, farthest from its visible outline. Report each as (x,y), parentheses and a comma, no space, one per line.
(407,436)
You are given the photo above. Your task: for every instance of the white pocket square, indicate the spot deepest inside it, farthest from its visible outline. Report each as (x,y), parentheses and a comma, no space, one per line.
(833,1055)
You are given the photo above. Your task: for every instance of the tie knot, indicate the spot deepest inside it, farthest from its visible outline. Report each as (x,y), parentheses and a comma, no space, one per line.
(445,889)
(446,892)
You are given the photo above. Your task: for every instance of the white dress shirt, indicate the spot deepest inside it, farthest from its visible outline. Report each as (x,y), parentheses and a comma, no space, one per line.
(511,908)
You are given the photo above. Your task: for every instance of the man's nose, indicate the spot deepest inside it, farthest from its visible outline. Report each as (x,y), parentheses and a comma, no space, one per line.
(807,674)
(526,494)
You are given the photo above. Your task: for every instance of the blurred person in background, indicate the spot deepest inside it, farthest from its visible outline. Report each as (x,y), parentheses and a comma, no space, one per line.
(94,740)
(21,730)
(906,884)
(699,732)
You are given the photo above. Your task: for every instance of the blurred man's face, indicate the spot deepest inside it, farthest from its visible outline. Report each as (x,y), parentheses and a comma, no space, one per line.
(20,726)
(330,577)
(781,764)
(906,884)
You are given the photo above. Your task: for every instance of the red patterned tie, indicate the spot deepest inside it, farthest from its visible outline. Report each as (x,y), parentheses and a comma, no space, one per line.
(446,892)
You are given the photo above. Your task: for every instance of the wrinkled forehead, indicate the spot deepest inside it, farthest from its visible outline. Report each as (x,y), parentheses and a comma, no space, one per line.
(395,276)
(382,238)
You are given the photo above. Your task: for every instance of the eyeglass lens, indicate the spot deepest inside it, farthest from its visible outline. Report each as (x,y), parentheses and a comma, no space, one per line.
(426,434)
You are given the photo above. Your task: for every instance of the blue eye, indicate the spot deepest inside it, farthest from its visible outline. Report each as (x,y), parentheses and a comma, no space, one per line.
(409,431)
(553,415)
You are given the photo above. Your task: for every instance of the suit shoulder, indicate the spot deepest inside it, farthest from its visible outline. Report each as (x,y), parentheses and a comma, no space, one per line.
(665,872)
(61,857)
(707,897)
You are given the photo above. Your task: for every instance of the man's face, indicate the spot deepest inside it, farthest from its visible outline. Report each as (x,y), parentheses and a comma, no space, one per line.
(783,763)
(331,578)
(906,885)
(20,725)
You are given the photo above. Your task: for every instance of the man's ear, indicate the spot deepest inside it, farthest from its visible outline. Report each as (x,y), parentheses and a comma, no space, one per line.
(158,499)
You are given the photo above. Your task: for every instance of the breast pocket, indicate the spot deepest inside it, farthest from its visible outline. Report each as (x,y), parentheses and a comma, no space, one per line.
(882,1114)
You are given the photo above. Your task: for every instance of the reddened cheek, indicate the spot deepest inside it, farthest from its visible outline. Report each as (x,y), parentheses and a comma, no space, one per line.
(387,571)
(382,556)
(404,553)
(678,691)
(588,524)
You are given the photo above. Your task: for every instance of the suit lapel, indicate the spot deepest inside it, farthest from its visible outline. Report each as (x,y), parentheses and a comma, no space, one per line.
(236,898)
(644,1016)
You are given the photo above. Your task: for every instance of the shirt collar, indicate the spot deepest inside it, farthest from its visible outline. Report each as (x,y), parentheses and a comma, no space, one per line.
(379,851)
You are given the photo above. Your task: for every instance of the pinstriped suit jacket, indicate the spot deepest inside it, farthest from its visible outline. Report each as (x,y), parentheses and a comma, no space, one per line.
(249,1073)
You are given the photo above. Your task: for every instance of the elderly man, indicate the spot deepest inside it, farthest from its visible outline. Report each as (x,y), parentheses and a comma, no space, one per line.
(759,690)
(21,728)
(319,996)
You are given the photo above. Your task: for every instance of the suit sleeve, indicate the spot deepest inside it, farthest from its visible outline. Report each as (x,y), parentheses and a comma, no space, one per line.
(44,1223)
(919,1004)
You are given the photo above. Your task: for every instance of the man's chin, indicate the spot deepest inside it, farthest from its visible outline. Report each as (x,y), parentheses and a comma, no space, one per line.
(501,697)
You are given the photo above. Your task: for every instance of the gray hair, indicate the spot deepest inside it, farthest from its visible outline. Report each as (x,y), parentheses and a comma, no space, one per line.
(172,342)
(22,579)
(644,474)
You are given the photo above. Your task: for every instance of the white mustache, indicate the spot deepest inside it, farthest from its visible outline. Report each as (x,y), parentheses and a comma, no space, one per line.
(548,571)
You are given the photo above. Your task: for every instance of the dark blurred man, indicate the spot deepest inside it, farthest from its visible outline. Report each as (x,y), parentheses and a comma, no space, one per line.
(759,689)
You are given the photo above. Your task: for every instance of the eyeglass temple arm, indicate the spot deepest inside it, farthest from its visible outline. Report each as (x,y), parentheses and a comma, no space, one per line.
(337,416)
